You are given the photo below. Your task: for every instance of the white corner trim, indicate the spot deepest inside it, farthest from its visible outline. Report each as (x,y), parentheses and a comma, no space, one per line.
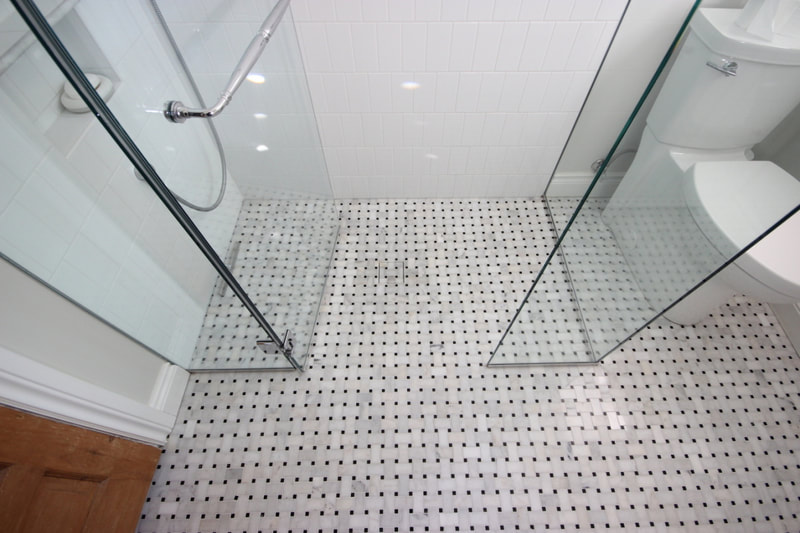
(574,185)
(31,386)
(169,388)
(789,317)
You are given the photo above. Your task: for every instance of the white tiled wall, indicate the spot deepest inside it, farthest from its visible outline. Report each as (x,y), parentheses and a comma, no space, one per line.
(269,129)
(498,83)
(642,41)
(73,213)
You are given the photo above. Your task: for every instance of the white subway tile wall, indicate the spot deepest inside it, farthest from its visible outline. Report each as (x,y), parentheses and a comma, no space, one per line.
(71,210)
(269,130)
(639,46)
(449,98)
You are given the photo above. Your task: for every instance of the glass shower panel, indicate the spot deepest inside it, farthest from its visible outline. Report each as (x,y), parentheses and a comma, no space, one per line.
(629,256)
(73,214)
(185,156)
(259,179)
(287,225)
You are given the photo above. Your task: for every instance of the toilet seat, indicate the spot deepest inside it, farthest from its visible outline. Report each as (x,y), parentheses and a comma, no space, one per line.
(734,202)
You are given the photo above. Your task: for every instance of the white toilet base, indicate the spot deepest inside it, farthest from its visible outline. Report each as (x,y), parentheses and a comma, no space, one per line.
(697,305)
(715,292)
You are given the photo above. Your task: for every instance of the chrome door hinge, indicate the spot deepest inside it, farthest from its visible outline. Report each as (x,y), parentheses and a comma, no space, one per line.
(285,348)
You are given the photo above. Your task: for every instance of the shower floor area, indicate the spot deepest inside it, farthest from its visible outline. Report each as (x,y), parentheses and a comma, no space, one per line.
(583,300)
(284,252)
(610,299)
(403,249)
(398,425)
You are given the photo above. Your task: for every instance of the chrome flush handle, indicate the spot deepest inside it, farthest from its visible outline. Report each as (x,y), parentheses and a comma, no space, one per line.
(727,67)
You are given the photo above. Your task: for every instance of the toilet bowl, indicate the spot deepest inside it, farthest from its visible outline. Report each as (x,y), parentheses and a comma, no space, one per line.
(732,202)
(691,198)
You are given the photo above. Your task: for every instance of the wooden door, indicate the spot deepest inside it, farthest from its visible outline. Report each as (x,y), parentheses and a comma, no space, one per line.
(60,478)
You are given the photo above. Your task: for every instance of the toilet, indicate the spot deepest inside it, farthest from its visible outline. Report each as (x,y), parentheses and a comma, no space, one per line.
(731,208)
(725,93)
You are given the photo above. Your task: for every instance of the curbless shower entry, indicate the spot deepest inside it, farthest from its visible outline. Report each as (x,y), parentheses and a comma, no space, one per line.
(92,210)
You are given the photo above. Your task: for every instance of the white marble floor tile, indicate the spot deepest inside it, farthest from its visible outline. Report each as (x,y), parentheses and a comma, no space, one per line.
(398,425)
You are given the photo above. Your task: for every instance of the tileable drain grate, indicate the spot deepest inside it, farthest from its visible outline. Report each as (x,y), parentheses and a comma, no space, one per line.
(389,271)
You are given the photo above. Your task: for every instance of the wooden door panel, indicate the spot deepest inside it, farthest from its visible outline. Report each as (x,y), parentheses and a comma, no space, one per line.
(57,477)
(59,504)
(17,487)
(119,494)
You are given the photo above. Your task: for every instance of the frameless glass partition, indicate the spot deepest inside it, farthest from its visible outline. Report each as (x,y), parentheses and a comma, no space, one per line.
(698,204)
(287,223)
(123,256)
(74,215)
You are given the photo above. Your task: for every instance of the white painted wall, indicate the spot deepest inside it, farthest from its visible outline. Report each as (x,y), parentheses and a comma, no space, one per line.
(71,210)
(789,157)
(643,39)
(500,85)
(782,146)
(58,360)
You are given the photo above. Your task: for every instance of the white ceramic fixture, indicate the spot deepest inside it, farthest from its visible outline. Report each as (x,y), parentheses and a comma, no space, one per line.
(726,91)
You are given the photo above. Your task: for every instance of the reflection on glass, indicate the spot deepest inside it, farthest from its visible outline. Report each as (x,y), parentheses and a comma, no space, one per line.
(73,213)
(285,223)
(548,328)
(79,217)
(691,200)
(280,247)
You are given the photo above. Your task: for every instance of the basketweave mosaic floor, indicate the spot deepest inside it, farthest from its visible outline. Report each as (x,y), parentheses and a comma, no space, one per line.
(284,251)
(398,425)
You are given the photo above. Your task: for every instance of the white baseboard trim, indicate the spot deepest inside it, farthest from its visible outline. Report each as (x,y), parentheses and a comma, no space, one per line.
(789,317)
(574,185)
(31,386)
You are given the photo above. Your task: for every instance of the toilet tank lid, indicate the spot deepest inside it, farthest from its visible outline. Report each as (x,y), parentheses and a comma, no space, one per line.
(716,27)
(743,199)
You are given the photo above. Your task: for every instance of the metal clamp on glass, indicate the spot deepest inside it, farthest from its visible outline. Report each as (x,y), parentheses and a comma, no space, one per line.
(285,348)
(727,67)
(175,111)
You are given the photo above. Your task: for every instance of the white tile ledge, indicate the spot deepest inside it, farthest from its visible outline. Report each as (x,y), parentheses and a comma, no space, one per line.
(574,185)
(31,386)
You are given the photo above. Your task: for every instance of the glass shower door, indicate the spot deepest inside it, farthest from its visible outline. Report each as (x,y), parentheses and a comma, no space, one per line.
(632,251)
(288,223)
(125,55)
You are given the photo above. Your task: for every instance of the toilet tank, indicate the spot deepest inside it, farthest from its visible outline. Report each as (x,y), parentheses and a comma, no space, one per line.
(700,107)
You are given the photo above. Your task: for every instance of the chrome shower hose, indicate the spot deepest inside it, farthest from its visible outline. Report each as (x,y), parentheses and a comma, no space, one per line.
(214,133)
